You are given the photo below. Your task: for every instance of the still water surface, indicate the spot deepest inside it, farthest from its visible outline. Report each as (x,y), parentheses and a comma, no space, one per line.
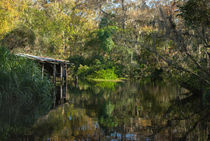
(133,111)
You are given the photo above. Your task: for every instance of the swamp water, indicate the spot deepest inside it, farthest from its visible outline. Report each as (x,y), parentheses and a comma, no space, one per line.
(133,111)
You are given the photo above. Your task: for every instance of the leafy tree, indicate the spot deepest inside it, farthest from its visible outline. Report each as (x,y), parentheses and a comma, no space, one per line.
(190,43)
(19,37)
(10,12)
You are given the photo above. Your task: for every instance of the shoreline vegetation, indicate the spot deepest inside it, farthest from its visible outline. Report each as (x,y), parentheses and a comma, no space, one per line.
(22,90)
(108,80)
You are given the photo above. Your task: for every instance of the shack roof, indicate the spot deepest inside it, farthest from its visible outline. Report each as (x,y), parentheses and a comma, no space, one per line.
(44,59)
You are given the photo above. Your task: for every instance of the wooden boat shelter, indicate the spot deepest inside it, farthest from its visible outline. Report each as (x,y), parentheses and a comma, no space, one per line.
(56,68)
(53,67)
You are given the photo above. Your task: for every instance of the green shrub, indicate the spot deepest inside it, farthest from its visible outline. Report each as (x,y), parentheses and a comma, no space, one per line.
(108,74)
(83,71)
(77,61)
(24,95)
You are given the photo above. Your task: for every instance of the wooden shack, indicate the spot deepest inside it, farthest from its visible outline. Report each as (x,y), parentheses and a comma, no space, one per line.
(53,67)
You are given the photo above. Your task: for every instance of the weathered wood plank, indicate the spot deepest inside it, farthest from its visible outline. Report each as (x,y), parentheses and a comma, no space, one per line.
(43,59)
(61,72)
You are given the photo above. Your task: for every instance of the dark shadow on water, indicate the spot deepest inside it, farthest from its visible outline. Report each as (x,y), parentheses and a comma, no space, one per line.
(131,111)
(61,95)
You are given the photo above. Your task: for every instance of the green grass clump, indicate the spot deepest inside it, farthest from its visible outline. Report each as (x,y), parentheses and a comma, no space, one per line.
(107,74)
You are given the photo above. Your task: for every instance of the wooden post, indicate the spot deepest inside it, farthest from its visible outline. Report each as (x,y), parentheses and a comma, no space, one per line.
(65,72)
(54,74)
(65,81)
(61,74)
(42,70)
(54,81)
(61,94)
(61,81)
(64,91)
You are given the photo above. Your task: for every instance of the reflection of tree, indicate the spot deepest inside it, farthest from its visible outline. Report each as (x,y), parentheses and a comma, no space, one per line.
(188,118)
(146,109)
(116,108)
(130,111)
(106,85)
(65,123)
(18,114)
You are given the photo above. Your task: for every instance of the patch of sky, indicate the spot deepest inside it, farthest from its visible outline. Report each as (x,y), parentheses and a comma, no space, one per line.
(130,136)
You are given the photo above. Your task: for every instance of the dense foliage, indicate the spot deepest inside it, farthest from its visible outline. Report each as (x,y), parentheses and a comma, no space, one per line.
(24,95)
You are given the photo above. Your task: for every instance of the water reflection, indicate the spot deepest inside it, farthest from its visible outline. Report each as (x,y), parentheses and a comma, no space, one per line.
(61,94)
(125,111)
(19,112)
(65,123)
